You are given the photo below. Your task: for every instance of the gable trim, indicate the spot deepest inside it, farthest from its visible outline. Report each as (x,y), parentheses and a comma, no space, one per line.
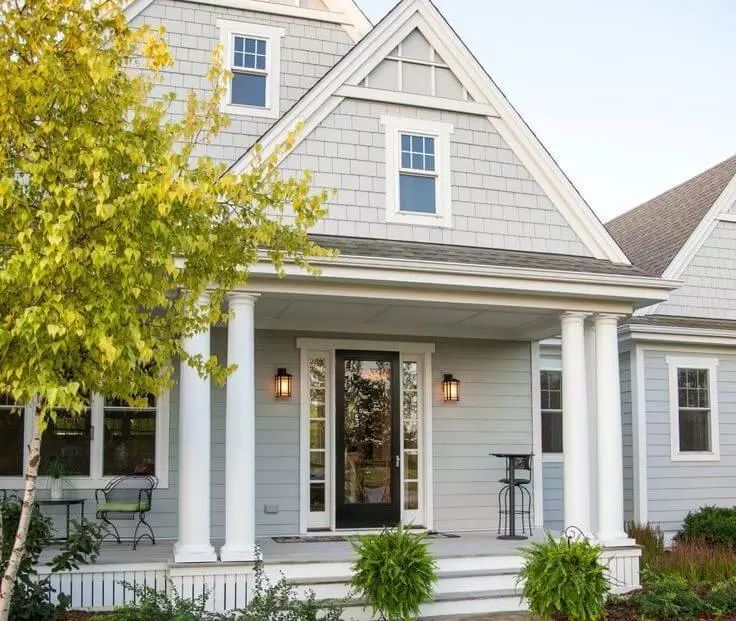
(702,232)
(422,15)
(343,12)
(727,217)
(420,101)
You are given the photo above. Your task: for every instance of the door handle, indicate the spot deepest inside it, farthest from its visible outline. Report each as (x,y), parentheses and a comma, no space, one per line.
(397,461)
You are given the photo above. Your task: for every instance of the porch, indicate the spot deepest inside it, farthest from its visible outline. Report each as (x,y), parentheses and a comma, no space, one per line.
(477,573)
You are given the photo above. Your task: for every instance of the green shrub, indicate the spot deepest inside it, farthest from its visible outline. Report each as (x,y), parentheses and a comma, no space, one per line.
(651,540)
(714,525)
(395,572)
(31,596)
(564,578)
(697,562)
(669,598)
(151,605)
(722,598)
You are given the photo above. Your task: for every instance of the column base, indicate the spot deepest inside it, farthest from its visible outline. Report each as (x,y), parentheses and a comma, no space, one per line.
(616,540)
(202,553)
(238,553)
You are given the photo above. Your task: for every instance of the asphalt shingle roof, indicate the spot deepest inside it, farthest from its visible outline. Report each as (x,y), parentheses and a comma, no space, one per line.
(653,233)
(446,253)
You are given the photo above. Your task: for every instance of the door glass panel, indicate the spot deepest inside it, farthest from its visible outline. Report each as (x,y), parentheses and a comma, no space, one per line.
(367,431)
(410,418)
(317,497)
(317,435)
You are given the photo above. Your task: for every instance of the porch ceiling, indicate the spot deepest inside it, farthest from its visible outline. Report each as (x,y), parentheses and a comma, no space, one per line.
(359,316)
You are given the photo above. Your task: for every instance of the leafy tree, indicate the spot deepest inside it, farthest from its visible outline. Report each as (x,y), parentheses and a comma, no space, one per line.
(110,227)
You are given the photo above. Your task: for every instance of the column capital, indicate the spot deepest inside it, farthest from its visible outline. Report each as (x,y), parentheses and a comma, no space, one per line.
(574,316)
(608,317)
(242,297)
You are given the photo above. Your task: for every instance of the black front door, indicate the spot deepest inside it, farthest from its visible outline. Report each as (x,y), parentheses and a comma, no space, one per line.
(368,436)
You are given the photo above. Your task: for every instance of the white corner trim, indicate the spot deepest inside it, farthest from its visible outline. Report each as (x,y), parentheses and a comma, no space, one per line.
(441,133)
(420,101)
(639,434)
(688,362)
(273,36)
(538,465)
(702,232)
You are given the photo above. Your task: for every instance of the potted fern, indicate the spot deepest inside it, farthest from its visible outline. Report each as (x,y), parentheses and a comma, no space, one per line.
(58,470)
(395,573)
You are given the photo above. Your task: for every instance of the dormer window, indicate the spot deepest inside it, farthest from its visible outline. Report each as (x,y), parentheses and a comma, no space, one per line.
(418,171)
(253,54)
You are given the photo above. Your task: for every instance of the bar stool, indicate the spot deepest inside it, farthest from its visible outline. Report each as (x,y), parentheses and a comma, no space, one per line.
(518,476)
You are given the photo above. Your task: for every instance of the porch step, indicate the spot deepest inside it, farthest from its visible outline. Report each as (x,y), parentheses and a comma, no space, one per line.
(475,584)
(472,602)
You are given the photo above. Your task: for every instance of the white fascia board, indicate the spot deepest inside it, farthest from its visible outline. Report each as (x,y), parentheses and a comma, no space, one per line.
(541,283)
(727,217)
(674,334)
(702,232)
(359,21)
(421,14)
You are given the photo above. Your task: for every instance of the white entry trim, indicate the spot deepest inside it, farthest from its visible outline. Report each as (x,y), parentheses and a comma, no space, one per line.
(327,347)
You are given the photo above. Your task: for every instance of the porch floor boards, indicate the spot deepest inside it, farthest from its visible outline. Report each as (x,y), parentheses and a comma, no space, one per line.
(468,544)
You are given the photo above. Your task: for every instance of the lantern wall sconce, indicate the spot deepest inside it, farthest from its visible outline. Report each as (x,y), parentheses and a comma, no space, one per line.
(450,387)
(283,384)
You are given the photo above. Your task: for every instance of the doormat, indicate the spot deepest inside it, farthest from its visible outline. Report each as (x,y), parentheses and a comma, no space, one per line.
(333,538)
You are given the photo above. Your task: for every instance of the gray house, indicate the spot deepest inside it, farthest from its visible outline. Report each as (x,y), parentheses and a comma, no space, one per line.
(377,393)
(678,358)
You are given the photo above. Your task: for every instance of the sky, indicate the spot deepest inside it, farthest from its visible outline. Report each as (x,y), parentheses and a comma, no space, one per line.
(631,97)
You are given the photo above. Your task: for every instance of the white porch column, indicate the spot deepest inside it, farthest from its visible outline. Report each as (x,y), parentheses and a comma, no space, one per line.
(609,444)
(240,429)
(576,464)
(193,483)
(590,385)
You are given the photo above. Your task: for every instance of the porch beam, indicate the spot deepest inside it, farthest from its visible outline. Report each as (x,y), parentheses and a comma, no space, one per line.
(240,429)
(193,545)
(576,464)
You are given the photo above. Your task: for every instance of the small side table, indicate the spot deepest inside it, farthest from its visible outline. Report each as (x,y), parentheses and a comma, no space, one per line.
(68,502)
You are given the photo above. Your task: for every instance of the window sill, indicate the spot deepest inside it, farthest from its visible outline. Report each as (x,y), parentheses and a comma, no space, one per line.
(552,458)
(417,218)
(236,110)
(74,483)
(695,456)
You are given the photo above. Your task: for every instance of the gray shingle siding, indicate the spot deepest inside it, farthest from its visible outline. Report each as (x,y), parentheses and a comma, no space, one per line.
(710,279)
(553,496)
(309,49)
(495,201)
(626,429)
(674,488)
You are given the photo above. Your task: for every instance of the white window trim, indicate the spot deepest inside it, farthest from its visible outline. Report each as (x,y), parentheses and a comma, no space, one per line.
(96,479)
(441,133)
(548,458)
(674,363)
(272,35)
(311,347)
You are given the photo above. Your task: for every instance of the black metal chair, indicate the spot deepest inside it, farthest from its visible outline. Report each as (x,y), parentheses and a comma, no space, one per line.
(522,477)
(124,498)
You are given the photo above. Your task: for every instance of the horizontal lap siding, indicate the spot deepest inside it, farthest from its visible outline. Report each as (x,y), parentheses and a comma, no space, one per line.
(678,487)
(493,415)
(626,428)
(553,501)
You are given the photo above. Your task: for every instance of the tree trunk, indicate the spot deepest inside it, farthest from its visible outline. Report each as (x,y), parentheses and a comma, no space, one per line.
(19,547)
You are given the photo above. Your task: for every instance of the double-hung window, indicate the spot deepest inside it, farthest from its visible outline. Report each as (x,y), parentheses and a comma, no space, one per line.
(418,174)
(418,184)
(551,407)
(11,437)
(693,409)
(253,54)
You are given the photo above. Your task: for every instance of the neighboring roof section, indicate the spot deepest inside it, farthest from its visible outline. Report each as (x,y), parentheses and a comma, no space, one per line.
(471,255)
(653,233)
(672,321)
